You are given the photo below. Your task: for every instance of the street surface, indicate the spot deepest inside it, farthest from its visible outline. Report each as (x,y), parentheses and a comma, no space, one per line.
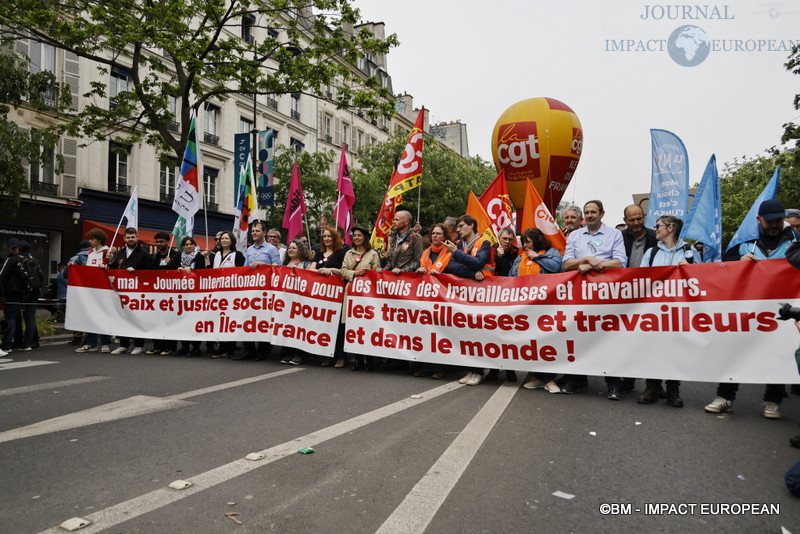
(101,437)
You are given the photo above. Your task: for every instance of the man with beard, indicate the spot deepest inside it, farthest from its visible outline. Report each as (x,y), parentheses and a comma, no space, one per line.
(132,257)
(164,259)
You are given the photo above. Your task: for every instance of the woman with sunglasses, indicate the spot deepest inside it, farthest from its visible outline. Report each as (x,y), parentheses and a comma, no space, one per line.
(670,250)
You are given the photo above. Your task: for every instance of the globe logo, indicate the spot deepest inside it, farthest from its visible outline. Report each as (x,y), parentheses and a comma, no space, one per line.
(688,46)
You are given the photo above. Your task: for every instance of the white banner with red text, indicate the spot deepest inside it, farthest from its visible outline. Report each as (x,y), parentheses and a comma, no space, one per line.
(706,322)
(284,306)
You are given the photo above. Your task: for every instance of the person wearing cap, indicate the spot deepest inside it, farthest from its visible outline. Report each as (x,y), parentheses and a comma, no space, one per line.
(773,242)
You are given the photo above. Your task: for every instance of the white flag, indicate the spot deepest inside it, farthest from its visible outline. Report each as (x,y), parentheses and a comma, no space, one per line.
(131,213)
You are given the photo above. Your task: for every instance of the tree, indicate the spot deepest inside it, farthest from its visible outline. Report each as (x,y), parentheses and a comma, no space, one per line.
(447,179)
(319,189)
(791,131)
(198,51)
(18,147)
(741,181)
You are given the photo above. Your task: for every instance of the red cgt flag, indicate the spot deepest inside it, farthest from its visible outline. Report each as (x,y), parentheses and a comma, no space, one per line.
(497,203)
(536,215)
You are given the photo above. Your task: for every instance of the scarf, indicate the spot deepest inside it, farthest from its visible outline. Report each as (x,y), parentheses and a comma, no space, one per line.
(528,266)
(439,263)
(188,259)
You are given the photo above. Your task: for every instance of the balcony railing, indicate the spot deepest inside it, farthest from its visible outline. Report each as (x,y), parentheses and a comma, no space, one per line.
(173,126)
(272,103)
(167,197)
(295,115)
(328,138)
(119,188)
(212,206)
(248,38)
(44,188)
(210,138)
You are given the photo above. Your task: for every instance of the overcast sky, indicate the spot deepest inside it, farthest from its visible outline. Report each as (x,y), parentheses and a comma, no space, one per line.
(465,60)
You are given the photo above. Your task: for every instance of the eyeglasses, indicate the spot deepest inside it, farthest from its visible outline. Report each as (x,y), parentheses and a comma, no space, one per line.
(274,237)
(656,227)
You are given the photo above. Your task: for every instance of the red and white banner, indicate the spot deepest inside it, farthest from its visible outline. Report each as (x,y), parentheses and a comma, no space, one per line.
(708,322)
(712,322)
(287,307)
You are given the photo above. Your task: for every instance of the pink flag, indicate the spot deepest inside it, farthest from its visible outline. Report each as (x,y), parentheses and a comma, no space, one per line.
(295,207)
(343,212)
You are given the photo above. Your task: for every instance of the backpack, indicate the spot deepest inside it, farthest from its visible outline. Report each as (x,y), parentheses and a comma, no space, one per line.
(32,276)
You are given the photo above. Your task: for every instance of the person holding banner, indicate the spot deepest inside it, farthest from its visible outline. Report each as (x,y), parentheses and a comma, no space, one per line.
(328,261)
(471,257)
(191,259)
(165,258)
(538,257)
(259,253)
(593,249)
(772,242)
(131,257)
(297,257)
(98,257)
(227,256)
(405,246)
(359,259)
(670,250)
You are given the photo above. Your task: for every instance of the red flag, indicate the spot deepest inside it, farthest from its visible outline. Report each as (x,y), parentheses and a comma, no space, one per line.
(295,207)
(409,171)
(383,225)
(343,212)
(497,203)
(536,215)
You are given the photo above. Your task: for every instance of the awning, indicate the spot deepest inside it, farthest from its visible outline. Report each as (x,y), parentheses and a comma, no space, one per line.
(147,237)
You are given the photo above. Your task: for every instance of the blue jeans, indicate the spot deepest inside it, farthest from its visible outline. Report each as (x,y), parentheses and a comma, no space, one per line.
(13,310)
(91,339)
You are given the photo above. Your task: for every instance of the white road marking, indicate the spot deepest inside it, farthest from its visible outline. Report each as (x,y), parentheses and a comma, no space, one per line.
(20,365)
(125,511)
(415,513)
(52,385)
(125,408)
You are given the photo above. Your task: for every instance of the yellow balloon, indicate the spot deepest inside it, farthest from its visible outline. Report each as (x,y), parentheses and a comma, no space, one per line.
(538,139)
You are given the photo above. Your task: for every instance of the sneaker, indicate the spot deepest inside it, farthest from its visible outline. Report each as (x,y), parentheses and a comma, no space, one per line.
(286,360)
(166,352)
(216,355)
(466,378)
(568,389)
(137,350)
(105,349)
(772,410)
(87,348)
(614,394)
(120,350)
(534,384)
(152,352)
(719,405)
(475,380)
(4,352)
(552,387)
(27,349)
(297,360)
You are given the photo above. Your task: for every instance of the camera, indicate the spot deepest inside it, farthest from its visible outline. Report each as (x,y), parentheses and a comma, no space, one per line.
(787,312)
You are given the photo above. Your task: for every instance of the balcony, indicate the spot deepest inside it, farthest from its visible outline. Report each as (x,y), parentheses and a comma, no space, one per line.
(295,115)
(272,103)
(210,138)
(44,188)
(328,139)
(212,206)
(167,197)
(50,98)
(119,188)
(173,126)
(248,38)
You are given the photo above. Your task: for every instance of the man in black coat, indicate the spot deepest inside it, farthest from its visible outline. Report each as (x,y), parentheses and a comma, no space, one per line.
(132,257)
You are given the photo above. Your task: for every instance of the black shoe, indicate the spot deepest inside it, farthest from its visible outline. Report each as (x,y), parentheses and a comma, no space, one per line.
(673,396)
(795,442)
(491,376)
(568,388)
(649,396)
(614,394)
(511,376)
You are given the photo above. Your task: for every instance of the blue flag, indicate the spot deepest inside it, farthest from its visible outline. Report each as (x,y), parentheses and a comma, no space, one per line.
(669,188)
(748,230)
(704,222)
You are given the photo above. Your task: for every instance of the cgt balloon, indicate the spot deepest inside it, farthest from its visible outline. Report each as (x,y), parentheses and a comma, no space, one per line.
(538,139)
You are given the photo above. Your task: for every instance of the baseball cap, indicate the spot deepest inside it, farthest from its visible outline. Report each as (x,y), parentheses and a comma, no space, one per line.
(771,209)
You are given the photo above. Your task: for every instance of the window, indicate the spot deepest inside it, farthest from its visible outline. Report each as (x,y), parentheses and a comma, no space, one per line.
(248,22)
(296,106)
(118,84)
(169,174)
(118,162)
(328,128)
(43,58)
(345,133)
(210,131)
(42,173)
(297,145)
(272,32)
(210,188)
(245,126)
(172,107)
(359,140)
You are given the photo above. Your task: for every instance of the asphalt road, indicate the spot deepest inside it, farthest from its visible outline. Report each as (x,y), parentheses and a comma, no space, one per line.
(101,437)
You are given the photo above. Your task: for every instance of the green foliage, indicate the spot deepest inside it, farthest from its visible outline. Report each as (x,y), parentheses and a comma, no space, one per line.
(319,189)
(447,180)
(19,87)
(194,51)
(741,181)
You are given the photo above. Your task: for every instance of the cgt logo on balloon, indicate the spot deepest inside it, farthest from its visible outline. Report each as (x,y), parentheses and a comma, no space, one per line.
(541,140)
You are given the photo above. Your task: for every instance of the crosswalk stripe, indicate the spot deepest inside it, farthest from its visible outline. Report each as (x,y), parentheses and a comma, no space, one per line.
(130,509)
(421,504)
(20,365)
(52,385)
